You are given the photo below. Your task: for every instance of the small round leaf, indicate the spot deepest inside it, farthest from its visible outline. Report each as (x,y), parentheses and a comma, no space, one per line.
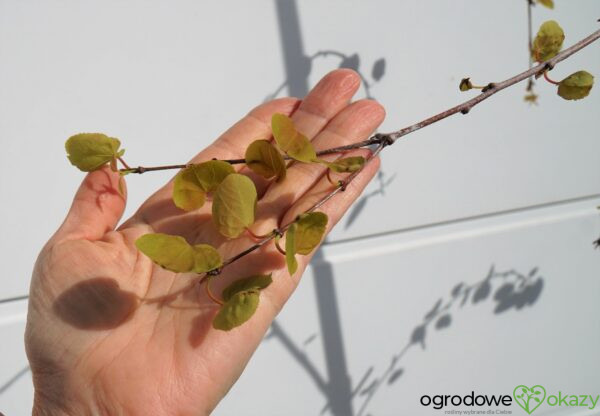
(291,141)
(237,310)
(576,86)
(548,41)
(548,3)
(90,151)
(256,282)
(174,253)
(309,232)
(264,159)
(465,84)
(234,205)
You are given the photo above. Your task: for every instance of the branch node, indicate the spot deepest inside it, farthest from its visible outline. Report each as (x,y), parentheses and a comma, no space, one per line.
(384,139)
(549,66)
(465,110)
(277,232)
(214,272)
(342,185)
(488,87)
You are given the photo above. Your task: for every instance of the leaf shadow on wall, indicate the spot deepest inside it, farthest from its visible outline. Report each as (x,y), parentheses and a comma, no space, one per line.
(509,290)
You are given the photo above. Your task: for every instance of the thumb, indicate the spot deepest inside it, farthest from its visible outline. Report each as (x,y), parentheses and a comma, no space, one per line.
(97,207)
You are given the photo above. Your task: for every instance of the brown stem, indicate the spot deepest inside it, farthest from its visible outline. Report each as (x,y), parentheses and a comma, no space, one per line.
(384,140)
(551,81)
(210,294)
(123,162)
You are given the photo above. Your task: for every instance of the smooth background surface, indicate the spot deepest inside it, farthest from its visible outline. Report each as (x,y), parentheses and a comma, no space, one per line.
(510,185)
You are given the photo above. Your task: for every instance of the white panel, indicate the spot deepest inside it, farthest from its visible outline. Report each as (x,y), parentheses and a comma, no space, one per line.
(547,334)
(16,389)
(169,77)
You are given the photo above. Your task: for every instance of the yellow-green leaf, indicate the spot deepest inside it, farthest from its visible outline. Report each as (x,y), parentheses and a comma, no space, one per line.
(548,41)
(292,142)
(465,84)
(192,183)
(174,253)
(309,231)
(548,3)
(348,164)
(187,192)
(256,282)
(576,86)
(290,249)
(264,159)
(90,151)
(237,310)
(234,205)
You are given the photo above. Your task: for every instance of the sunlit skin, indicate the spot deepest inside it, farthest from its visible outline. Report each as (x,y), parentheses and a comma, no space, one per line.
(103,335)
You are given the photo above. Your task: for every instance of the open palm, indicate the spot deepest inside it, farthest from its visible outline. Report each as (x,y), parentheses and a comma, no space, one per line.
(109,333)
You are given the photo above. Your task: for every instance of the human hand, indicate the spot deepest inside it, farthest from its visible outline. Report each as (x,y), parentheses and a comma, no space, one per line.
(110,333)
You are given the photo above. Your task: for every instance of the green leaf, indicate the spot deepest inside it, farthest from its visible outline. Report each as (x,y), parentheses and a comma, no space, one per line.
(290,249)
(194,182)
(576,86)
(348,164)
(264,159)
(90,151)
(291,141)
(237,310)
(309,231)
(548,3)
(548,41)
(465,84)
(174,253)
(256,282)
(234,205)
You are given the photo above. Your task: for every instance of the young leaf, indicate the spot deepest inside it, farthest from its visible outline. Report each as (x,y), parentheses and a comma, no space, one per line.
(348,164)
(256,282)
(90,151)
(576,86)
(290,249)
(264,159)
(187,192)
(237,310)
(174,253)
(548,3)
(234,205)
(465,84)
(291,141)
(309,232)
(548,41)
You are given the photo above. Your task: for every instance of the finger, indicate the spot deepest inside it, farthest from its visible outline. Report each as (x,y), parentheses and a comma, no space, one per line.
(97,207)
(356,122)
(230,145)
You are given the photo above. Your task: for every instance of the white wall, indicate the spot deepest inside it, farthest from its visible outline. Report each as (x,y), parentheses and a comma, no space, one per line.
(508,185)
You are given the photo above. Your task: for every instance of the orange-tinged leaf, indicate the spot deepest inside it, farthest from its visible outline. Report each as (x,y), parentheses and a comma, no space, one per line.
(264,159)
(234,205)
(292,142)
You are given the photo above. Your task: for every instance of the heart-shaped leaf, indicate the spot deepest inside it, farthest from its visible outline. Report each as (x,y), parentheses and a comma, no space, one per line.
(234,205)
(90,151)
(192,183)
(348,164)
(576,86)
(292,142)
(548,41)
(309,231)
(174,253)
(264,159)
(256,282)
(237,310)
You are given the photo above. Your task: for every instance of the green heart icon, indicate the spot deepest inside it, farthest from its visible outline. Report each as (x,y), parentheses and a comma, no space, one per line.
(529,398)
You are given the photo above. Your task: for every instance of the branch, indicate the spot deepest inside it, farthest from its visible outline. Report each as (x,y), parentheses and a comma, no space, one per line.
(493,88)
(384,140)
